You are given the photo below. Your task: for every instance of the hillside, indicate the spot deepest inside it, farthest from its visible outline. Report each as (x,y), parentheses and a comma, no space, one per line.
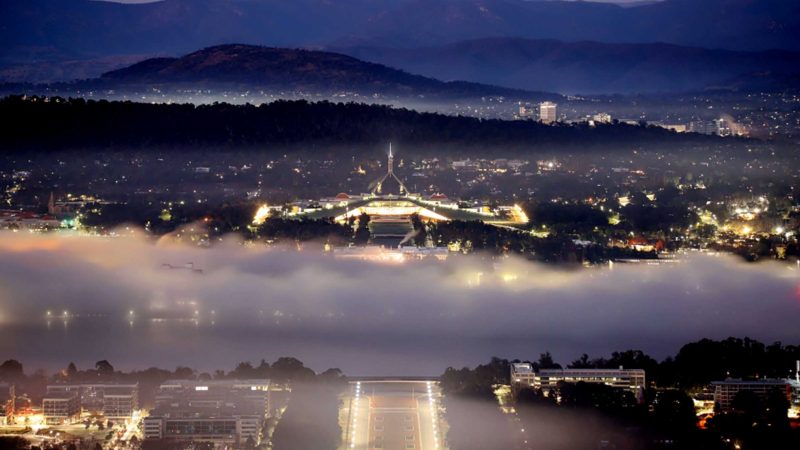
(584,67)
(255,67)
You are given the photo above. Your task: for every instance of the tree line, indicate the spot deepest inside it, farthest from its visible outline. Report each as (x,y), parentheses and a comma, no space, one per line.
(57,123)
(585,415)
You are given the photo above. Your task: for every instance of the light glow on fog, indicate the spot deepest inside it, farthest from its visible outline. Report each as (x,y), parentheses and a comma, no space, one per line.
(419,317)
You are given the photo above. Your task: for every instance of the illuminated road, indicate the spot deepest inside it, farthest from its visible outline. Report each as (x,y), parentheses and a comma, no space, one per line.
(393,415)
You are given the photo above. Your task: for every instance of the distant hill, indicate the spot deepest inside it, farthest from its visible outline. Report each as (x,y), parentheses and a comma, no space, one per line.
(586,67)
(255,67)
(47,30)
(65,70)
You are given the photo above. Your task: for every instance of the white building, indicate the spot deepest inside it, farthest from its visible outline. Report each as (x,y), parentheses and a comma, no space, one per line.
(114,401)
(220,411)
(61,407)
(522,375)
(25,220)
(547,380)
(548,112)
(220,426)
(725,391)
(602,118)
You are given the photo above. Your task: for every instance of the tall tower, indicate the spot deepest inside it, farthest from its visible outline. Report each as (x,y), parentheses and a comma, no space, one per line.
(548,112)
(390,166)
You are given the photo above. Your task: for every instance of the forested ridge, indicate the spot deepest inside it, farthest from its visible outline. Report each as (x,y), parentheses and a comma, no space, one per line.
(57,123)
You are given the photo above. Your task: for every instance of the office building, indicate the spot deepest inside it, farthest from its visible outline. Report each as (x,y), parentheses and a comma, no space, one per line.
(225,412)
(601,118)
(525,112)
(725,391)
(547,112)
(61,407)
(120,402)
(522,376)
(723,127)
(547,380)
(114,401)
(220,426)
(703,127)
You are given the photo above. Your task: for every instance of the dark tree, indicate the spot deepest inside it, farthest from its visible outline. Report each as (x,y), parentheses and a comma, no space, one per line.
(104,368)
(674,410)
(290,369)
(11,370)
(72,370)
(546,362)
(14,443)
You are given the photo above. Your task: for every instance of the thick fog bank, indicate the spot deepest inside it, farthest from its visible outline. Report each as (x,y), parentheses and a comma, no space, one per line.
(75,298)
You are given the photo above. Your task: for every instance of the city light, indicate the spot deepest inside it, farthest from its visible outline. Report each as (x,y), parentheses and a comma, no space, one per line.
(261,215)
(396,214)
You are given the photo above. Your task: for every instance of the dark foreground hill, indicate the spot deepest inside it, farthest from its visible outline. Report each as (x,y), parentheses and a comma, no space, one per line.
(39,125)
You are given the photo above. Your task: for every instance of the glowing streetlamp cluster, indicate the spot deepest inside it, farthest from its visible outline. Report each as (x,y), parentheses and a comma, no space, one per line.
(261,215)
(355,415)
(434,416)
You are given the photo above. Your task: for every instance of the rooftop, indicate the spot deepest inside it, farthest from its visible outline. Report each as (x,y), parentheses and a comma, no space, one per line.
(216,383)
(522,368)
(764,382)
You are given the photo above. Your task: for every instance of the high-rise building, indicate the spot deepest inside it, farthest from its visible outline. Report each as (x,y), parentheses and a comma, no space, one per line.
(548,112)
(723,127)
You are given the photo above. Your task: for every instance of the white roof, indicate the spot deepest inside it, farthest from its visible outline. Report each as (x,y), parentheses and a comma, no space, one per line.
(521,368)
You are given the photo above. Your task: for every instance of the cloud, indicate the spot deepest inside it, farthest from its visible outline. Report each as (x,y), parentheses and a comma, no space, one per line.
(251,302)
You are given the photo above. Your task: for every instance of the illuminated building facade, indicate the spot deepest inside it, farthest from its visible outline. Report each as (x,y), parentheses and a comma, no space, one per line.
(548,112)
(222,426)
(390,213)
(61,407)
(114,401)
(522,376)
(226,412)
(390,255)
(547,380)
(725,391)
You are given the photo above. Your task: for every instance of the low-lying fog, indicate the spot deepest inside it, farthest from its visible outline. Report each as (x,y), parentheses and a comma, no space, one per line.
(76,298)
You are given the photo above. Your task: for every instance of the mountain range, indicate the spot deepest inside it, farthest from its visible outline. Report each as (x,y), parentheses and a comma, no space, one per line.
(37,30)
(586,67)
